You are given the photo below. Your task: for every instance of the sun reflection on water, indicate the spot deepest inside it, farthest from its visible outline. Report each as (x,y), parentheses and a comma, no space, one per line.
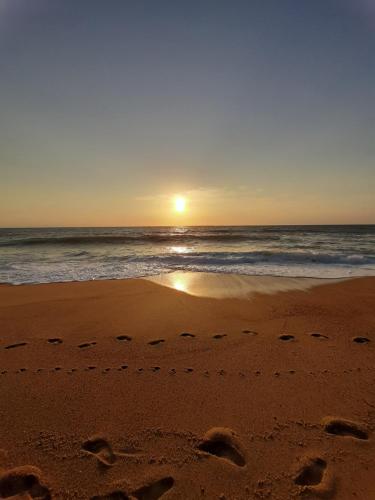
(180,249)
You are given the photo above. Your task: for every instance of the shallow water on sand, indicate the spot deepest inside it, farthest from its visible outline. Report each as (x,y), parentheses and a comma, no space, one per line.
(218,285)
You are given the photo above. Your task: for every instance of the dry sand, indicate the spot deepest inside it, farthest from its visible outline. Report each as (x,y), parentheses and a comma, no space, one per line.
(129,389)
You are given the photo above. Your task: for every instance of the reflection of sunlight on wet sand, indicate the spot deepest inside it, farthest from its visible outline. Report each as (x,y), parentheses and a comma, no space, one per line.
(179,285)
(219,285)
(182,281)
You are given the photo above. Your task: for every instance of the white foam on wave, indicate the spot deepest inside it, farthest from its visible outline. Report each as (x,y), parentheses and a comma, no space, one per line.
(52,255)
(45,272)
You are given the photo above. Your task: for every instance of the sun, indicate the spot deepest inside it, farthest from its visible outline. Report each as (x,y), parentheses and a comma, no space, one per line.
(180,204)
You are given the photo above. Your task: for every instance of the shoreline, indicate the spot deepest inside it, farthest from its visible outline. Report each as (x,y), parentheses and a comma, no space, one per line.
(148,276)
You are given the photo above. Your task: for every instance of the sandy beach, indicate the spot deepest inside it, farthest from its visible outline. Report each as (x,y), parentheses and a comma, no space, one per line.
(129,389)
(187,250)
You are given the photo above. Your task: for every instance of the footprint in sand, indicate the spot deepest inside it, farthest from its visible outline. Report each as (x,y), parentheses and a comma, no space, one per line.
(286,337)
(156,342)
(100,449)
(219,336)
(124,338)
(313,477)
(54,341)
(151,491)
(23,481)
(311,472)
(318,335)
(361,340)
(86,345)
(154,490)
(187,335)
(344,427)
(13,346)
(223,443)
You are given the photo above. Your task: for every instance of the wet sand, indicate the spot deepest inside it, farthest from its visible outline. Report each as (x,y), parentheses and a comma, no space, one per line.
(223,286)
(131,389)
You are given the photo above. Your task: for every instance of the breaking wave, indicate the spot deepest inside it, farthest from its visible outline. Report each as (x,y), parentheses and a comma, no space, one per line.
(48,255)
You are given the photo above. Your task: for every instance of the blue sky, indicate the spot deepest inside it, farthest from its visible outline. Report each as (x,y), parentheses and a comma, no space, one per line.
(255,111)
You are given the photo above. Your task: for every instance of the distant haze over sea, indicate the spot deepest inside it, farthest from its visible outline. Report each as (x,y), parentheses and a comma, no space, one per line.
(70,254)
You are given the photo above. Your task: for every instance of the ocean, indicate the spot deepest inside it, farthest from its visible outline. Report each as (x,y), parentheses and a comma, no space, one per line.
(73,254)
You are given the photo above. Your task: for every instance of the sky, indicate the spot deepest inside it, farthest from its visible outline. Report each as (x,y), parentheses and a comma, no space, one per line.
(254,111)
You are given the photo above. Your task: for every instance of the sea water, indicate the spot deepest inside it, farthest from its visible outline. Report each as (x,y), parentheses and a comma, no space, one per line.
(70,254)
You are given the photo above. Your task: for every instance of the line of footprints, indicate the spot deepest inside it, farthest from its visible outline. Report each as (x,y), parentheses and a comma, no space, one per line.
(312,474)
(217,336)
(172,371)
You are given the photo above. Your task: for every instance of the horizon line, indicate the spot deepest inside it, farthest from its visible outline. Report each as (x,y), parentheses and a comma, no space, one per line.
(189,226)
